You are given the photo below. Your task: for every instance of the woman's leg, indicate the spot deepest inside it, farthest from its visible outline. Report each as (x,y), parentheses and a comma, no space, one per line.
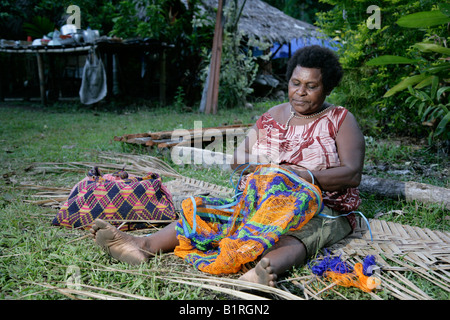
(285,254)
(294,247)
(130,249)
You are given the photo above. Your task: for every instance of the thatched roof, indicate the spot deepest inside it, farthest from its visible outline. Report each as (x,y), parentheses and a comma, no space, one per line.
(267,23)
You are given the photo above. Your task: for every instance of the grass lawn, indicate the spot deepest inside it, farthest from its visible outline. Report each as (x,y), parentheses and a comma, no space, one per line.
(39,261)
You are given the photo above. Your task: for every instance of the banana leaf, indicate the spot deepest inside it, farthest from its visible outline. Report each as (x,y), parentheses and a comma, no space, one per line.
(423,19)
(389,59)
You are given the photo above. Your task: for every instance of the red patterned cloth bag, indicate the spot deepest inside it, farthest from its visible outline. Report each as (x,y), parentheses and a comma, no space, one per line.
(116,198)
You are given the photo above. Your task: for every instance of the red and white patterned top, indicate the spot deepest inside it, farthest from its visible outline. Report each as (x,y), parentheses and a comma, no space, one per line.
(311,146)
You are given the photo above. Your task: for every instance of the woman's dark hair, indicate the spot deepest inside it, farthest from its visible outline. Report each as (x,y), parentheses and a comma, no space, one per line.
(321,58)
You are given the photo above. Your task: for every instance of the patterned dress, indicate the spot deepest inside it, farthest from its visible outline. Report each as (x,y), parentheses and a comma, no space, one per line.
(311,146)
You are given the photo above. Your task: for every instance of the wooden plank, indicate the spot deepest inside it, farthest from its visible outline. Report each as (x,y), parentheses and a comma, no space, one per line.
(164,139)
(168,134)
(136,135)
(144,140)
(48,49)
(187,142)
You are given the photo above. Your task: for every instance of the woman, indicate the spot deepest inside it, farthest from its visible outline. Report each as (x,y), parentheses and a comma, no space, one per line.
(316,140)
(321,143)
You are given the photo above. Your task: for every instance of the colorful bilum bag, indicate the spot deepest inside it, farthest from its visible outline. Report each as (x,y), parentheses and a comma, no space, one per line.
(116,198)
(219,236)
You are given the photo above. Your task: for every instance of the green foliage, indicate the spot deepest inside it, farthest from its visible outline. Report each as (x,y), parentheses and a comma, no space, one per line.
(430,76)
(162,20)
(125,20)
(144,18)
(189,29)
(238,70)
(363,87)
(389,59)
(423,19)
(38,27)
(432,111)
(94,13)
(179,98)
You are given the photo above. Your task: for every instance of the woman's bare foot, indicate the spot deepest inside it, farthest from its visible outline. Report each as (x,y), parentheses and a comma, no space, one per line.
(263,273)
(119,245)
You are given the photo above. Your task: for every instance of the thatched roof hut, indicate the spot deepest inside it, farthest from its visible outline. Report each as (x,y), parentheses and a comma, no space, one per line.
(267,23)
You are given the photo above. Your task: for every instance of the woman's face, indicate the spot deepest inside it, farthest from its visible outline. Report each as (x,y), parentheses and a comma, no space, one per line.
(306,91)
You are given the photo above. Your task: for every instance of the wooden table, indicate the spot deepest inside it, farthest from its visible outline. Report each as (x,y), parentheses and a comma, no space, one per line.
(39,51)
(106,46)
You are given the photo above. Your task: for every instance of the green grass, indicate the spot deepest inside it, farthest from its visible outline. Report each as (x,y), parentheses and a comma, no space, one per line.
(34,254)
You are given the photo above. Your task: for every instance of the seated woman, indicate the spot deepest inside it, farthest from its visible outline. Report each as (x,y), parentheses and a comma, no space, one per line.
(320,142)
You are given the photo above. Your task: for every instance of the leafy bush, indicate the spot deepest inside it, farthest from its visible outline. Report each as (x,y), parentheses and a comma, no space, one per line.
(363,87)
(170,21)
(430,77)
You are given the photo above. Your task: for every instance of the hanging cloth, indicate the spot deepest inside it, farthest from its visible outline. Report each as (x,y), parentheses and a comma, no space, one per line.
(93,83)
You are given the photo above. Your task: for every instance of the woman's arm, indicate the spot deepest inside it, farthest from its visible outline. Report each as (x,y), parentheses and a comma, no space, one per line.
(351,150)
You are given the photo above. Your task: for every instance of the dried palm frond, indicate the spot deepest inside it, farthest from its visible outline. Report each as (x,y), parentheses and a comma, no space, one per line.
(134,164)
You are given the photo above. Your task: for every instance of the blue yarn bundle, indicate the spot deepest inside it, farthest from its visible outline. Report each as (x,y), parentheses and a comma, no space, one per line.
(328,263)
(368,262)
(335,264)
(341,273)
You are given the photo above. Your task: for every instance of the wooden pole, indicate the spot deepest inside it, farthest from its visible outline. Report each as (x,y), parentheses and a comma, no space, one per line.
(163,79)
(216,54)
(40,64)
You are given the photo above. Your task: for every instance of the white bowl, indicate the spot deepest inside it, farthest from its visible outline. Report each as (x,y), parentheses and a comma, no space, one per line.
(68,29)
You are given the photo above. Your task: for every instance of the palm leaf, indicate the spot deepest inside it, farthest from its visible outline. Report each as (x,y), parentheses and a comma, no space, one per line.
(38,27)
(405,83)
(427,47)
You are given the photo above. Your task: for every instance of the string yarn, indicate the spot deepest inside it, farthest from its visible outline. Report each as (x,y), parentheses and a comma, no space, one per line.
(343,274)
(218,235)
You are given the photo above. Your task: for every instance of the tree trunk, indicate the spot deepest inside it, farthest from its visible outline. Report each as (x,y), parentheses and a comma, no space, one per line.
(408,190)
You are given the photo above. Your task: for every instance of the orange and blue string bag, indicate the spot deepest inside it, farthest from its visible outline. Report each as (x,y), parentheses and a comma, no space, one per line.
(219,236)
(343,274)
